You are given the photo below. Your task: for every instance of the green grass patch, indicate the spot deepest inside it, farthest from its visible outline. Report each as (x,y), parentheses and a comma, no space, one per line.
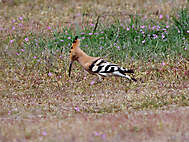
(137,40)
(143,40)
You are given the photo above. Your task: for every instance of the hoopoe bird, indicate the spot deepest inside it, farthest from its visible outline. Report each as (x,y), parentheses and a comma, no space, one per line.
(96,65)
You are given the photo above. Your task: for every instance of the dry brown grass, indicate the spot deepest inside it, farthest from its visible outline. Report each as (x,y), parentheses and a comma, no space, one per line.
(37,107)
(134,126)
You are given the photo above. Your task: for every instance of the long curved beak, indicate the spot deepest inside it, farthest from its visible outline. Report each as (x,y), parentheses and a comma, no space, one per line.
(70,68)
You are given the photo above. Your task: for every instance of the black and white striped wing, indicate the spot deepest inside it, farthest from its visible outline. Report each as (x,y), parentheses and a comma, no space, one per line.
(104,68)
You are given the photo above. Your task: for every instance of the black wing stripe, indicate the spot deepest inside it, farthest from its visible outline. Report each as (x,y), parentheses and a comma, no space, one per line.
(112,69)
(98,69)
(121,71)
(102,61)
(93,64)
(109,69)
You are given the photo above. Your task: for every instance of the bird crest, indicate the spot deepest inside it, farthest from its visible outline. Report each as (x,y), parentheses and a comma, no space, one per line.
(76,43)
(73,52)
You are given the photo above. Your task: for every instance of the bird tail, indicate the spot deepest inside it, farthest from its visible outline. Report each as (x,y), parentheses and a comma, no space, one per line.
(122,71)
(133,79)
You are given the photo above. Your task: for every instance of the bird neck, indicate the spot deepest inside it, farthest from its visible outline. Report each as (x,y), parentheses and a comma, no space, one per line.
(83,58)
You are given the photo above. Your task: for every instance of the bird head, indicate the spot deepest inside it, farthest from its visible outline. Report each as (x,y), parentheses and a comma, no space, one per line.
(73,52)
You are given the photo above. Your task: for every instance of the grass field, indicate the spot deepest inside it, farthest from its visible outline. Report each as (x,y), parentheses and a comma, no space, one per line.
(39,102)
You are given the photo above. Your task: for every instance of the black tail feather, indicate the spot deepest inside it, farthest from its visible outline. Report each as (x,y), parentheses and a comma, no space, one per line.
(133,79)
(129,71)
(123,70)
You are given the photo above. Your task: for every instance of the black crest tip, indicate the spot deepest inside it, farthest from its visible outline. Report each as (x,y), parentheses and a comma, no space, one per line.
(74,41)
